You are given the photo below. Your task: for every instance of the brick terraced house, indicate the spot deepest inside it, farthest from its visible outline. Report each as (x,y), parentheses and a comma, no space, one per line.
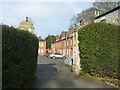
(64,41)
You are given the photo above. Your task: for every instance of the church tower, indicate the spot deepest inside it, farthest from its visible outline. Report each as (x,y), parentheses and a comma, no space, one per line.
(27,25)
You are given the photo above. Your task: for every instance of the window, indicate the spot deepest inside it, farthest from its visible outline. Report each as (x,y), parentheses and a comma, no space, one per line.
(41,50)
(41,44)
(57,53)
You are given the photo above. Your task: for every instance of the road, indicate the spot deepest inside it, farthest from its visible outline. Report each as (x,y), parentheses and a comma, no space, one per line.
(52,73)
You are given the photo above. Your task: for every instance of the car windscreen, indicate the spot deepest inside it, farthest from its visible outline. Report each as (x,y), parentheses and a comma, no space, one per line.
(57,53)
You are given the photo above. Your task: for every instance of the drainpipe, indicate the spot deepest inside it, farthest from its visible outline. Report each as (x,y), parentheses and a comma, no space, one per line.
(66,44)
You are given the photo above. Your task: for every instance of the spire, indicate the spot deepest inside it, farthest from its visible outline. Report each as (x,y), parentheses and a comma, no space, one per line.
(26,18)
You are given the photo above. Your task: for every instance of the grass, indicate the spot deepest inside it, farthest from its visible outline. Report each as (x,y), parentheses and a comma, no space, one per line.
(110,81)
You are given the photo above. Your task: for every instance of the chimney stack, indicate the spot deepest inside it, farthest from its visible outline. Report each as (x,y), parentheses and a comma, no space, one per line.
(97,13)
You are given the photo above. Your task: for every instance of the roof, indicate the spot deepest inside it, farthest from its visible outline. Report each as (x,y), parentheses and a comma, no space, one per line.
(40,39)
(117,8)
(27,22)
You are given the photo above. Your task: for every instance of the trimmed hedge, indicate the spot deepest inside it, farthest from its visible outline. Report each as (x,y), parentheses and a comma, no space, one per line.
(99,50)
(19,57)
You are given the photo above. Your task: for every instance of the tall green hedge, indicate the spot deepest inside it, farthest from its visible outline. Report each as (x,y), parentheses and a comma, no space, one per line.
(99,49)
(19,57)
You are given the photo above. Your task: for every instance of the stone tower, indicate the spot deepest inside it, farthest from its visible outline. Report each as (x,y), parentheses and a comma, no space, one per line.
(26,25)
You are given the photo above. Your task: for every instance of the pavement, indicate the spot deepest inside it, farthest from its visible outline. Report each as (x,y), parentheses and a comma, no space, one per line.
(52,73)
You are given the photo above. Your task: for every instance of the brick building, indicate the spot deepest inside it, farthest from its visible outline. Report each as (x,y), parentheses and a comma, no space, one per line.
(64,41)
(42,46)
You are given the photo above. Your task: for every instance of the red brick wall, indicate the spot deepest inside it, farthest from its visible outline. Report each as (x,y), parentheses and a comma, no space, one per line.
(64,47)
(53,47)
(60,45)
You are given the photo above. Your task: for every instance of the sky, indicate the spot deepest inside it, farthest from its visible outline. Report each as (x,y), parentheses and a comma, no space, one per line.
(48,17)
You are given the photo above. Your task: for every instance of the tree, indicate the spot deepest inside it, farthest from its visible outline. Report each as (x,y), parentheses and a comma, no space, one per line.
(49,40)
(87,15)
(105,6)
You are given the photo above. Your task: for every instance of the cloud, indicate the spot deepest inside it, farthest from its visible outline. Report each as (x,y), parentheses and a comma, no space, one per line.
(52,0)
(44,10)
(33,9)
(0,12)
(30,9)
(38,10)
(48,18)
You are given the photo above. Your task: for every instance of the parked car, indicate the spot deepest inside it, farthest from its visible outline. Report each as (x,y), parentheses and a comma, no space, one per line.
(57,55)
(69,61)
(49,54)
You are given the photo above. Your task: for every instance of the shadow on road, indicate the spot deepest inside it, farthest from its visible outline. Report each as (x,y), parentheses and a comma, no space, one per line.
(44,73)
(52,73)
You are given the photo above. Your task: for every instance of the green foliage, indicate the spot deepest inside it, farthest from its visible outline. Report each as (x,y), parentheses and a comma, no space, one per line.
(99,49)
(19,57)
(86,75)
(49,40)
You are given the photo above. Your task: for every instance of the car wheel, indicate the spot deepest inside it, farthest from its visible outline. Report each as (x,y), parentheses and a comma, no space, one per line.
(64,57)
(53,57)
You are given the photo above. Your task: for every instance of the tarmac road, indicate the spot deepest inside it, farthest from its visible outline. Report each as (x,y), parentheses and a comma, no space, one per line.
(52,73)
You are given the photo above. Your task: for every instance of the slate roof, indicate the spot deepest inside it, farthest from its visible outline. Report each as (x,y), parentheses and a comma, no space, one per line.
(117,8)
(40,39)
